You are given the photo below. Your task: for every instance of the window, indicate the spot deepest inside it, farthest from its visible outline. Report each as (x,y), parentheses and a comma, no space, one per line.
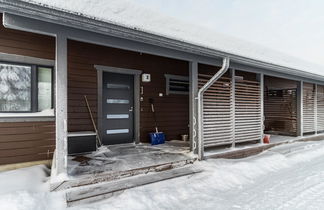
(25,88)
(176,84)
(45,93)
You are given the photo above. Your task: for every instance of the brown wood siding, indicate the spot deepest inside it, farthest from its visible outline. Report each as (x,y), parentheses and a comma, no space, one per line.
(172,111)
(280,111)
(26,141)
(25,43)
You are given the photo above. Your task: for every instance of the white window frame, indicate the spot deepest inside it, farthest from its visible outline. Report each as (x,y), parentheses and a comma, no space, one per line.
(28,116)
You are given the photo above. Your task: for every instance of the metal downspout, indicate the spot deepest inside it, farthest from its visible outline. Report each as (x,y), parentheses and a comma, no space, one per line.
(201,91)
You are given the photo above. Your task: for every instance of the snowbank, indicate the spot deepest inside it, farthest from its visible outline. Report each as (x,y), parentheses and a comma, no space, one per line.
(28,189)
(285,177)
(133,15)
(32,179)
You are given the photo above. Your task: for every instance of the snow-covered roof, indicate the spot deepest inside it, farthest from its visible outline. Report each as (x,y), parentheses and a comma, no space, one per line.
(129,14)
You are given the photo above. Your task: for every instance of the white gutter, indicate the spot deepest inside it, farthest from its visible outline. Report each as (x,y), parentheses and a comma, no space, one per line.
(201,91)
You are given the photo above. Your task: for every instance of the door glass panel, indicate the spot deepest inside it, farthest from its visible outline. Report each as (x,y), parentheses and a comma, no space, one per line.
(117,116)
(117,101)
(117,131)
(117,86)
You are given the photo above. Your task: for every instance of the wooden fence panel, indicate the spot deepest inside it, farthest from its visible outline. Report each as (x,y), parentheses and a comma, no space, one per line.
(217,112)
(309,108)
(247,111)
(320,108)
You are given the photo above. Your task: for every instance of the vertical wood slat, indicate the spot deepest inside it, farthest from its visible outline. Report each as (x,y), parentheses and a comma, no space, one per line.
(300,109)
(261,80)
(320,108)
(309,108)
(233,105)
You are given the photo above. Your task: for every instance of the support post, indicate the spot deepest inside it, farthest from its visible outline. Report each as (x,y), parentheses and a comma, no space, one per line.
(193,90)
(315,110)
(61,103)
(261,80)
(232,71)
(300,107)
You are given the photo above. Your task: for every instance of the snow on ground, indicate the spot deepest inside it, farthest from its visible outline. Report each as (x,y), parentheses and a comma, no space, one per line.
(130,14)
(285,177)
(27,189)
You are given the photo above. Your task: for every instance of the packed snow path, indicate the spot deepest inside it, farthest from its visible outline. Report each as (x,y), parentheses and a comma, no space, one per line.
(285,177)
(298,187)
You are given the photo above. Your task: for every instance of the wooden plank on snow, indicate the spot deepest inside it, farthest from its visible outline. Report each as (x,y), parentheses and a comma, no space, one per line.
(102,191)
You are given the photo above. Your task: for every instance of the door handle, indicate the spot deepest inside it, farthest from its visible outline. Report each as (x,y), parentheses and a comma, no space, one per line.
(131,109)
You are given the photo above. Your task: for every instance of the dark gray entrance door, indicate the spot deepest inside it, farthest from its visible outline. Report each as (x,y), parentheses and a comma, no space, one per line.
(117,108)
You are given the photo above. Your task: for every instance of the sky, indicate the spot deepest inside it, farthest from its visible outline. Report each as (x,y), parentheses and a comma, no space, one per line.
(295,27)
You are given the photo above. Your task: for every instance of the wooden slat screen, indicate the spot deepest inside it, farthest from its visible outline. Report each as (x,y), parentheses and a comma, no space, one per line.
(320,108)
(280,109)
(309,108)
(247,111)
(217,112)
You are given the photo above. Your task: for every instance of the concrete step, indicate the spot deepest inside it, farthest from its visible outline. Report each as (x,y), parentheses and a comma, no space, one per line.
(97,192)
(116,175)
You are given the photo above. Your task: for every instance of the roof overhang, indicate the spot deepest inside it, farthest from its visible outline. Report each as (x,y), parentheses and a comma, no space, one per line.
(150,43)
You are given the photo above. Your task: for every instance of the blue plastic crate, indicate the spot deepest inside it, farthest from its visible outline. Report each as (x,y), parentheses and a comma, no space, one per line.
(157,138)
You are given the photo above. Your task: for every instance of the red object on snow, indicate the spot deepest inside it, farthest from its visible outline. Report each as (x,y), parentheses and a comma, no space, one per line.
(266,139)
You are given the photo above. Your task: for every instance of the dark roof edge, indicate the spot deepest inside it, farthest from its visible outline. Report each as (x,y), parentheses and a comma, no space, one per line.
(79,21)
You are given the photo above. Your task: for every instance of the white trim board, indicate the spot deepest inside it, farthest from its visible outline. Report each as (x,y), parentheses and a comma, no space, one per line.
(117,70)
(26,59)
(81,133)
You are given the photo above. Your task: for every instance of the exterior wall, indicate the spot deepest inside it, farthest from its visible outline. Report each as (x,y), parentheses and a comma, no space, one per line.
(26,141)
(172,111)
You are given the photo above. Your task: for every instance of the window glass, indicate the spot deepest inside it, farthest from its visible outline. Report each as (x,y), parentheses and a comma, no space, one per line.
(15,88)
(44,88)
